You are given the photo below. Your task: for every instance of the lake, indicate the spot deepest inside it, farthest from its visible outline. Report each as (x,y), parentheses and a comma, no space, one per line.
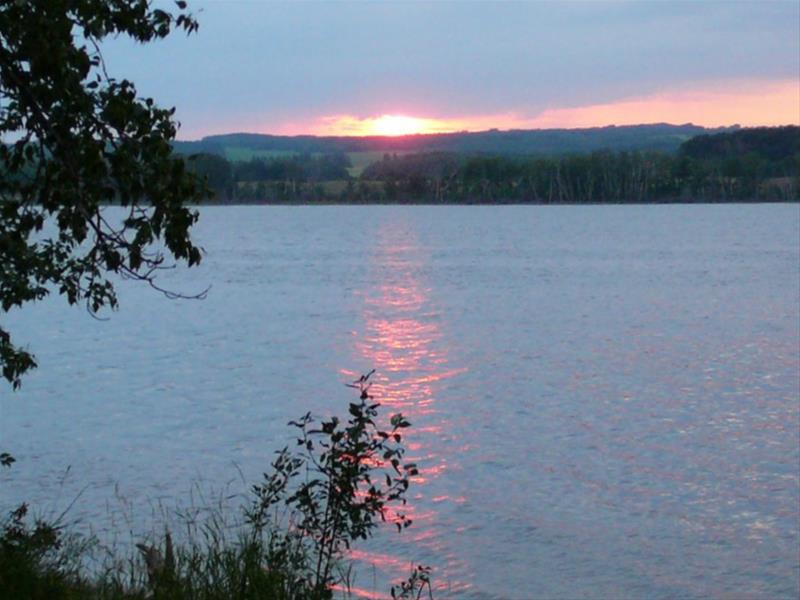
(605,399)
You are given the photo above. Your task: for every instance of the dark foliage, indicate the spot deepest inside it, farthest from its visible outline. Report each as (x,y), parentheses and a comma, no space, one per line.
(774,144)
(760,164)
(412,588)
(216,172)
(332,489)
(83,140)
(336,489)
(599,177)
(300,168)
(34,562)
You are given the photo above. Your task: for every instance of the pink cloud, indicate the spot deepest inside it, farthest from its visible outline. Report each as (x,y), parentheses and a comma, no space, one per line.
(746,102)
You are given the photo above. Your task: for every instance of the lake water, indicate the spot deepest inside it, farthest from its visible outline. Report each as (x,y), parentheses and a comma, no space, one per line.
(605,399)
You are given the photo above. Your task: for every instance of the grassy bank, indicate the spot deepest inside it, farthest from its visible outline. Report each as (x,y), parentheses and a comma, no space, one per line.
(287,541)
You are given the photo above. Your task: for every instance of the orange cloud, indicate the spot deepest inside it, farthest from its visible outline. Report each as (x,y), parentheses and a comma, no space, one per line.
(748,103)
(391,125)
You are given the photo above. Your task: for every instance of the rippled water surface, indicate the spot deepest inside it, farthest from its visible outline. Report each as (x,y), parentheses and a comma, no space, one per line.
(605,399)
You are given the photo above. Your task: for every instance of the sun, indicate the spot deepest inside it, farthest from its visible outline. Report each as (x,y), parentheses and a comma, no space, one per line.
(385,125)
(392,125)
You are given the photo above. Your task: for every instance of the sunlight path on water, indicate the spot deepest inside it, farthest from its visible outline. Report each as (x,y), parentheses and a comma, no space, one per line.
(403,340)
(604,399)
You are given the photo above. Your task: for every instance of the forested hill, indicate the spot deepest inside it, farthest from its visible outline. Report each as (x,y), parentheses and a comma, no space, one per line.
(758,164)
(661,136)
(768,143)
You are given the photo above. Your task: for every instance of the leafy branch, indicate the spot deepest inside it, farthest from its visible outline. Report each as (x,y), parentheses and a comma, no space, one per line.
(338,485)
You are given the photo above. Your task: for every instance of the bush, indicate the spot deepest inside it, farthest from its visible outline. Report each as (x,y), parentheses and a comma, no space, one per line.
(341,479)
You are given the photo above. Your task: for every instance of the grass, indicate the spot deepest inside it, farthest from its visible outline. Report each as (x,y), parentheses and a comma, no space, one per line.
(361,160)
(288,540)
(334,187)
(240,153)
(40,561)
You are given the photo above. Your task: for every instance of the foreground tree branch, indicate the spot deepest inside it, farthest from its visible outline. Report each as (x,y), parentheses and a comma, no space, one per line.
(76,140)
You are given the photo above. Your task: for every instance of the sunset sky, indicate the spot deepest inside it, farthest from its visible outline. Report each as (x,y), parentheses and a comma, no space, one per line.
(352,68)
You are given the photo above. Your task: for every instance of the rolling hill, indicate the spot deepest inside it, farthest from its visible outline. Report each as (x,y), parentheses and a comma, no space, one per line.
(660,136)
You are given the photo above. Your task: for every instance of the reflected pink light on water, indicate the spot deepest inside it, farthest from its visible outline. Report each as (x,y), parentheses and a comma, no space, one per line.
(403,342)
(359,592)
(399,296)
(378,558)
(448,498)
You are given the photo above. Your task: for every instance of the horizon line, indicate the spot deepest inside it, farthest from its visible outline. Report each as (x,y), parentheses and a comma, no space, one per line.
(734,126)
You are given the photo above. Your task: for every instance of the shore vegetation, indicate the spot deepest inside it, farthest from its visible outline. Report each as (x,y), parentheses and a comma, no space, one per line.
(746,165)
(289,539)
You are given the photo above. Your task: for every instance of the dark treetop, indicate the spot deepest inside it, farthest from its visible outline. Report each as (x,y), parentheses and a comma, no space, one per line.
(77,139)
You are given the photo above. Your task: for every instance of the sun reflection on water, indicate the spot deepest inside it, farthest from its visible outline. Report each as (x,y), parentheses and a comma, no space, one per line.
(402,339)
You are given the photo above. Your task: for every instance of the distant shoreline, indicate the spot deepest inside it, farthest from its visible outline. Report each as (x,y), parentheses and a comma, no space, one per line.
(498,203)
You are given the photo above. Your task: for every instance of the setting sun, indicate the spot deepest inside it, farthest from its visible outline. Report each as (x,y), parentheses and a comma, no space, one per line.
(383,125)
(749,103)
(398,125)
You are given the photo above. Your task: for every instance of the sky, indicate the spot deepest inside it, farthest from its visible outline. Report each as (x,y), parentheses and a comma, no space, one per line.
(353,68)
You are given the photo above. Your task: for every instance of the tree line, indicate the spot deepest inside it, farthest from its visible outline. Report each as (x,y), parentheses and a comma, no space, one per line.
(760,164)
(653,136)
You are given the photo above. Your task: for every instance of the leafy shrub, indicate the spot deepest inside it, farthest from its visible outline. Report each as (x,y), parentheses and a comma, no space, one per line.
(340,480)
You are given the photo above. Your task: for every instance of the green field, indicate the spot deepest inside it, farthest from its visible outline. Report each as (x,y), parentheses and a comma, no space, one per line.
(332,186)
(359,160)
(240,153)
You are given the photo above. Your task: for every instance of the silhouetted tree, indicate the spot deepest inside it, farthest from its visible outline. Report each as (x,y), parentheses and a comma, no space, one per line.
(78,139)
